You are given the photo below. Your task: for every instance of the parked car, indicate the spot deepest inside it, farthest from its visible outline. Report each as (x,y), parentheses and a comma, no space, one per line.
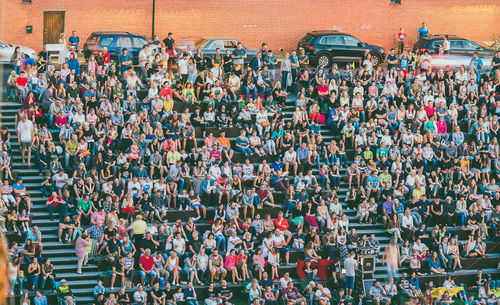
(209,45)
(461,50)
(6,51)
(115,42)
(327,47)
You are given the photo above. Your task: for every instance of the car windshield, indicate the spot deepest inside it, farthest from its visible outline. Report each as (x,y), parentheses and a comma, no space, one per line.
(3,44)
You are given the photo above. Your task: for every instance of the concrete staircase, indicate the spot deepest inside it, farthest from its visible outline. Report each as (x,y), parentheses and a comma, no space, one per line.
(63,255)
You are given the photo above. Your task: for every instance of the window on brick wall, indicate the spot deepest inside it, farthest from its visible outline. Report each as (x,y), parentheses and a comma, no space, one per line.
(395,1)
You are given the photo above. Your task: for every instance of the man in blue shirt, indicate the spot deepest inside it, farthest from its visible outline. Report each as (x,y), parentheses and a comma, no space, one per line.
(294,63)
(99,290)
(423,32)
(125,61)
(276,165)
(477,64)
(74,40)
(373,184)
(303,156)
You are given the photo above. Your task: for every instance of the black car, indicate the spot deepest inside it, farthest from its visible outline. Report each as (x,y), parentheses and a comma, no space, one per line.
(115,42)
(326,47)
(461,51)
(458,46)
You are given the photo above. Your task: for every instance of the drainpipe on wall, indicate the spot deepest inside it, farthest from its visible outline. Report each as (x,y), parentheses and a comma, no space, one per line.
(153,20)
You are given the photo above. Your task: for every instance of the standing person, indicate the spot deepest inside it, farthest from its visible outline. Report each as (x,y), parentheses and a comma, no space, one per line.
(64,49)
(446,45)
(182,66)
(143,60)
(477,64)
(423,31)
(82,242)
(294,63)
(392,257)
(125,61)
(495,62)
(401,38)
(16,60)
(25,134)
(238,56)
(286,67)
(350,265)
(270,61)
(392,59)
(169,44)
(74,40)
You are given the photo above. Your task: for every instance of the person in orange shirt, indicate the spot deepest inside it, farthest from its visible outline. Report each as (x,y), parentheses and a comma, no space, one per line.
(225,146)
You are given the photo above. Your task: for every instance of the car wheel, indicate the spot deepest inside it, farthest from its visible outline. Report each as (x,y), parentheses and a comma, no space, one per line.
(324,60)
(376,59)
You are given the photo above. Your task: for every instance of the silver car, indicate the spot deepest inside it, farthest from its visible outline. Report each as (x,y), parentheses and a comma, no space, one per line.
(6,51)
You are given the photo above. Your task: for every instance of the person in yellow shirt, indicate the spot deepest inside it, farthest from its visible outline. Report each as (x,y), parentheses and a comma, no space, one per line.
(168,105)
(138,228)
(418,192)
(173,156)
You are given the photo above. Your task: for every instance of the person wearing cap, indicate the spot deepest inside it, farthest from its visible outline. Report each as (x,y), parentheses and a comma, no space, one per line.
(64,294)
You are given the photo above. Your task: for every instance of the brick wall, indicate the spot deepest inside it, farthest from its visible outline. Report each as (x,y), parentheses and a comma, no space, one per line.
(281,23)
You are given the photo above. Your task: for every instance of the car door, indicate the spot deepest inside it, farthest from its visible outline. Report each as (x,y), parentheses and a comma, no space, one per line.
(470,47)
(137,43)
(334,44)
(354,48)
(456,46)
(435,46)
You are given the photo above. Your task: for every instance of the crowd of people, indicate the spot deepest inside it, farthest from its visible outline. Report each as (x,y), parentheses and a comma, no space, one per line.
(121,148)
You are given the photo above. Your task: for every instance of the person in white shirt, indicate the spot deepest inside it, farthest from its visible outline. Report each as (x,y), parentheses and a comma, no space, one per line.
(143,59)
(183,67)
(323,294)
(25,133)
(291,159)
(446,45)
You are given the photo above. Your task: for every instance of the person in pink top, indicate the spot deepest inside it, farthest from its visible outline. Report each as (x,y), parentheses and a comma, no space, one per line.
(82,242)
(230,265)
(441,128)
(98,216)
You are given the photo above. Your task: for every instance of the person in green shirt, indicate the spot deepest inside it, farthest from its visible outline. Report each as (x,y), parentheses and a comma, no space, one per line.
(382,151)
(70,147)
(385,177)
(84,207)
(367,154)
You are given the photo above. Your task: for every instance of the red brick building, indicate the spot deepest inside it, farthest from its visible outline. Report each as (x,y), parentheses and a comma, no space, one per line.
(281,23)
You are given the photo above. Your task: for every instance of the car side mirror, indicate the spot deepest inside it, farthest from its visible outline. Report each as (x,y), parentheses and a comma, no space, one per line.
(360,44)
